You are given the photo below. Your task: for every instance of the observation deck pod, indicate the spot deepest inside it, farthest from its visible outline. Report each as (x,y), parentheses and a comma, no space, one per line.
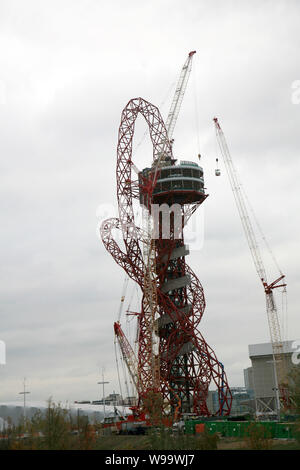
(176,184)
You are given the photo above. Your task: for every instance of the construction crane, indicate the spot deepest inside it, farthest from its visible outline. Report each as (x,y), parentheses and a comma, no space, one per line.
(132,366)
(127,354)
(179,94)
(150,304)
(174,112)
(273,320)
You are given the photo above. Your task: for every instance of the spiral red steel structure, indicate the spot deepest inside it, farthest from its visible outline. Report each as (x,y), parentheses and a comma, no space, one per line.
(187,363)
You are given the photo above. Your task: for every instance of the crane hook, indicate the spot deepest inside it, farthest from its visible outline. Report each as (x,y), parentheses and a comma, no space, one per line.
(217,170)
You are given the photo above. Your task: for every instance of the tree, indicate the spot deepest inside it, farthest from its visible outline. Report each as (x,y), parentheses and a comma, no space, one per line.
(55,426)
(153,407)
(294,389)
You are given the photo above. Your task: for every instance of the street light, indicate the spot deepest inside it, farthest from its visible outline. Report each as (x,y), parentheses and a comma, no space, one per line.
(103,383)
(78,414)
(24,393)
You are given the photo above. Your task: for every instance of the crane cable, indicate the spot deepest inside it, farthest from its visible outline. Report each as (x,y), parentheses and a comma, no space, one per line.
(260,229)
(284,300)
(162,103)
(284,310)
(124,369)
(284,315)
(118,370)
(124,289)
(125,375)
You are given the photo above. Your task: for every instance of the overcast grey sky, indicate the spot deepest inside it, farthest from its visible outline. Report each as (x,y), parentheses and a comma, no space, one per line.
(67,69)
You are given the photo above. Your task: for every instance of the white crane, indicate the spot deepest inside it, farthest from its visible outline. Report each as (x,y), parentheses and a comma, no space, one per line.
(179,94)
(274,326)
(173,112)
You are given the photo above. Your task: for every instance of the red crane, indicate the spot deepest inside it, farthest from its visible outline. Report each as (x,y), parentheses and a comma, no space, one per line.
(128,355)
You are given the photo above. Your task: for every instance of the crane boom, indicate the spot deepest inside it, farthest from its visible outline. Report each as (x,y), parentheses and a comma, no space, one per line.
(132,365)
(240,202)
(179,94)
(273,321)
(127,354)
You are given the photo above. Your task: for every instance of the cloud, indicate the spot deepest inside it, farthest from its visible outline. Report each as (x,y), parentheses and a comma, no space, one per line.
(69,68)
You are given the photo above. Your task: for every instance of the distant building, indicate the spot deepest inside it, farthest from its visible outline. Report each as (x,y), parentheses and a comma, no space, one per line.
(260,377)
(242,401)
(4,425)
(111,399)
(130,401)
(248,379)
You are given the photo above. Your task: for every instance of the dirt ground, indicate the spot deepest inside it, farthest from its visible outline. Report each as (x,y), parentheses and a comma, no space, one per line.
(231,444)
(239,444)
(142,443)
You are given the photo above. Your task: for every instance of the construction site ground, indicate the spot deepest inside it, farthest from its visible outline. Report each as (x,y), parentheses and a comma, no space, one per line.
(116,442)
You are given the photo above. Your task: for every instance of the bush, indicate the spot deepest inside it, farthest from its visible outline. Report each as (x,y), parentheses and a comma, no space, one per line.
(55,429)
(258,438)
(165,439)
(294,390)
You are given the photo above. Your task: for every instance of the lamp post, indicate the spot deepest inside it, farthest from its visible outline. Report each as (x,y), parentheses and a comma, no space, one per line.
(78,415)
(276,388)
(103,384)
(24,393)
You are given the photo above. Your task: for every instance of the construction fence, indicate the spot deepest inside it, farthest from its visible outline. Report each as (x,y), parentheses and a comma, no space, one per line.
(272,429)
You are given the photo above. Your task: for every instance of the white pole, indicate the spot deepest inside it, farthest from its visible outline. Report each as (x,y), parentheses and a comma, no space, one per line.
(103,383)
(24,393)
(276,388)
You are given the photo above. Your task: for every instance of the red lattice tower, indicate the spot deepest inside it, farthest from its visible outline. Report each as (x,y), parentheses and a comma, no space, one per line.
(187,364)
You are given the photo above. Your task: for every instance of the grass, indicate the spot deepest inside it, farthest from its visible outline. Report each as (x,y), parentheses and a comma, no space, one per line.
(115,442)
(284,444)
(56,429)
(232,443)
(122,443)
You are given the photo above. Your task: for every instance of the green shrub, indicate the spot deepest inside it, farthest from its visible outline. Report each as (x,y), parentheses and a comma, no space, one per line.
(258,438)
(165,439)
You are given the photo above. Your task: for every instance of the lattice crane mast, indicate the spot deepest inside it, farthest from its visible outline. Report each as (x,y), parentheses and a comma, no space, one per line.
(127,354)
(179,94)
(273,321)
(176,105)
